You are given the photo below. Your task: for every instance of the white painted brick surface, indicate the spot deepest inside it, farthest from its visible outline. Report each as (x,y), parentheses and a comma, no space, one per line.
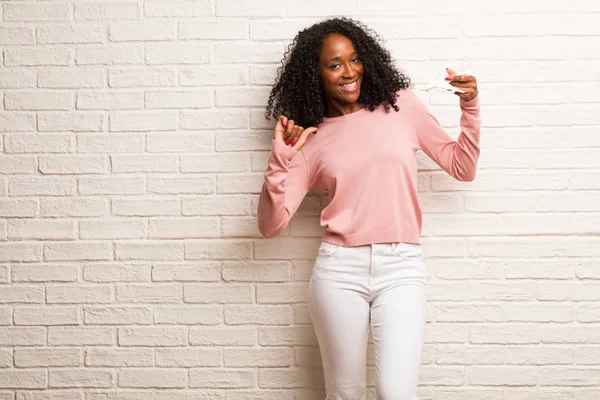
(133,146)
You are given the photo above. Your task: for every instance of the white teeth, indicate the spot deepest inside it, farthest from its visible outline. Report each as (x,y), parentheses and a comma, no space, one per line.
(350,86)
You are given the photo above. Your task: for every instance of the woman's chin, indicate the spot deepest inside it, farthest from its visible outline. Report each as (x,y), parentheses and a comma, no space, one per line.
(351,97)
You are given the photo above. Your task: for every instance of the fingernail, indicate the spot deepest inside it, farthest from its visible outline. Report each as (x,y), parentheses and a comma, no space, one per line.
(294,143)
(448,78)
(284,123)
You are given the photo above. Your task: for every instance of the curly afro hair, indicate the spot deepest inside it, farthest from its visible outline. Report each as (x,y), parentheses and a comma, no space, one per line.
(298,91)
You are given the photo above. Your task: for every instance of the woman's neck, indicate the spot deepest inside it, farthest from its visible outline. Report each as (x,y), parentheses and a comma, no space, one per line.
(335,109)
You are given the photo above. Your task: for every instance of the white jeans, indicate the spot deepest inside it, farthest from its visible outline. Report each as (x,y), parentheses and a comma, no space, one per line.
(384,283)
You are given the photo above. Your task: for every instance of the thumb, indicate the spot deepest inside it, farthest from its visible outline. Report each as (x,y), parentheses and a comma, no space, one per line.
(304,136)
(280,127)
(310,130)
(451,73)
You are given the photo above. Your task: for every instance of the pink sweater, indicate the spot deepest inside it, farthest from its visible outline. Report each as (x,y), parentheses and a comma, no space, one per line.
(366,161)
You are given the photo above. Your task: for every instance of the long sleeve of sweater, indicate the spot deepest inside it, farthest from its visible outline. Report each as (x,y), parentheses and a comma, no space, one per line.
(458,158)
(285,186)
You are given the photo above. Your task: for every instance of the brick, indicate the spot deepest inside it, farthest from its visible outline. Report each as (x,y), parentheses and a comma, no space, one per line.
(287,336)
(295,377)
(223,336)
(152,378)
(22,336)
(122,272)
(209,119)
(96,100)
(142,121)
(113,229)
(115,357)
(188,52)
(203,272)
(117,315)
(13,164)
(144,163)
(184,143)
(146,77)
(247,8)
(145,207)
(277,293)
(65,34)
(73,207)
(69,78)
(17,36)
(51,315)
(506,334)
(105,143)
(40,229)
(213,75)
(81,336)
(18,207)
(23,379)
(166,8)
(257,315)
(172,99)
(256,97)
(101,11)
(70,121)
(46,186)
(188,357)
(38,143)
(40,101)
(74,251)
(469,355)
(78,294)
(183,228)
(153,336)
(216,205)
(195,185)
(188,315)
(55,357)
(216,378)
(155,293)
(211,293)
(269,358)
(22,122)
(149,250)
(142,31)
(44,273)
(218,30)
(524,376)
(114,185)
(256,272)
(83,378)
(19,252)
(217,249)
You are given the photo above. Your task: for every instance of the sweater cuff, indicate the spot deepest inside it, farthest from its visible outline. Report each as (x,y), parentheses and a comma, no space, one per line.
(282,150)
(472,104)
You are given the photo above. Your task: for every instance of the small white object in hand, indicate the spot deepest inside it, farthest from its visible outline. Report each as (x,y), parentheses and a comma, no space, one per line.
(442,84)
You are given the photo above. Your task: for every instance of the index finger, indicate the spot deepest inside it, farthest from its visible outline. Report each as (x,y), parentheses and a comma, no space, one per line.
(462,78)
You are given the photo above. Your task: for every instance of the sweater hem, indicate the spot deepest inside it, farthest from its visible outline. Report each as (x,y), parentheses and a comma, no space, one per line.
(361,239)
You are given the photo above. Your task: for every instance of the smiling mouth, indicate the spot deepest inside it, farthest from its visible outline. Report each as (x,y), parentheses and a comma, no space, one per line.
(350,86)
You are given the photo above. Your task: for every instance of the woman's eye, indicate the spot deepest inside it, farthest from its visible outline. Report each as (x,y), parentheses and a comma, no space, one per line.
(334,66)
(355,59)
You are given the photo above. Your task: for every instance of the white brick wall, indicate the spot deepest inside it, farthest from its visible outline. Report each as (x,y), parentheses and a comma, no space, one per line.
(133,150)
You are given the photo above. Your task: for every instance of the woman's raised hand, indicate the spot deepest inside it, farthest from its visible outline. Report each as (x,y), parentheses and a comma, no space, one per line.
(468,83)
(290,134)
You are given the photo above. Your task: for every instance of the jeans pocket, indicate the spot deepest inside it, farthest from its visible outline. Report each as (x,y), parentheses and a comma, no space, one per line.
(327,249)
(408,250)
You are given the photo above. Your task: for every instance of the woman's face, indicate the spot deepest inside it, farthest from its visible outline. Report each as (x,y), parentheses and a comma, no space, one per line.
(340,68)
